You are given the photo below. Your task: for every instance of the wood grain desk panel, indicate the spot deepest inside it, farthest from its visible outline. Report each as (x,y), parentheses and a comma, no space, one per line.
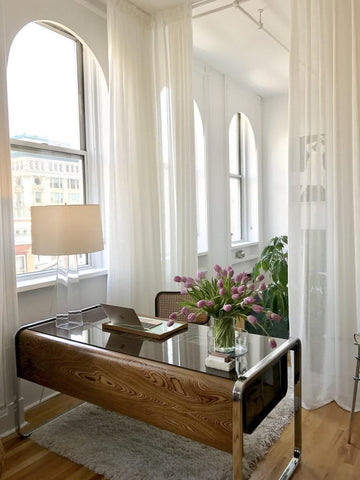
(188,403)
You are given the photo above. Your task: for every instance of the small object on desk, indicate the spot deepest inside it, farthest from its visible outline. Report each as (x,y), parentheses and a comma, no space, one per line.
(241,342)
(220,361)
(224,356)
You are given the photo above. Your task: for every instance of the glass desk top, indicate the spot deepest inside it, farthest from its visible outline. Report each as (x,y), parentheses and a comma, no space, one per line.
(187,348)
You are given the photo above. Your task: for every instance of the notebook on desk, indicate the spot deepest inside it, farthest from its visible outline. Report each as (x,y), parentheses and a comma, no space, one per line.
(126,320)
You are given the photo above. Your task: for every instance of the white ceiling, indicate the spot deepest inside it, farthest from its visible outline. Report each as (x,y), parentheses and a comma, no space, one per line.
(232,43)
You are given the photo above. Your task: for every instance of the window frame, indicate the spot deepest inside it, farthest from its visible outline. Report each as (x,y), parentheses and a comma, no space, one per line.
(246,217)
(240,177)
(54,150)
(201,164)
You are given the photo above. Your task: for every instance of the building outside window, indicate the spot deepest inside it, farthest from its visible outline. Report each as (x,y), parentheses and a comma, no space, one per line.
(57,198)
(56,182)
(37,197)
(73,183)
(21,263)
(73,198)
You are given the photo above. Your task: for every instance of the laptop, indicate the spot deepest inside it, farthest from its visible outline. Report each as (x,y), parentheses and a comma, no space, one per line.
(127,317)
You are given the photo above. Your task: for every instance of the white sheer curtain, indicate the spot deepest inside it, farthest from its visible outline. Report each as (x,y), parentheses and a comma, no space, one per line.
(324,220)
(97,137)
(133,220)
(8,299)
(151,221)
(173,60)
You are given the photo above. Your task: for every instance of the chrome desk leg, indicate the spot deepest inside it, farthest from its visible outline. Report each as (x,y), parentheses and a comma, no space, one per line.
(295,460)
(356,381)
(17,410)
(238,440)
(19,419)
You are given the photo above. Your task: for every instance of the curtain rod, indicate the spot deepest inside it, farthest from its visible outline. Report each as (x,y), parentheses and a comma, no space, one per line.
(236,4)
(214,10)
(200,3)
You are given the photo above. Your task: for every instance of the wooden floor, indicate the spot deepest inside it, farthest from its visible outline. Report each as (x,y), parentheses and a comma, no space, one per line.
(326,454)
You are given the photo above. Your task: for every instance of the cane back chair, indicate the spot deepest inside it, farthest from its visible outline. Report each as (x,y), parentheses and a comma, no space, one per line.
(169,302)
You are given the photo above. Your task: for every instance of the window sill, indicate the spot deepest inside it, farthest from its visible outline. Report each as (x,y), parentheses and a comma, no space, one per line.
(244,244)
(245,252)
(49,280)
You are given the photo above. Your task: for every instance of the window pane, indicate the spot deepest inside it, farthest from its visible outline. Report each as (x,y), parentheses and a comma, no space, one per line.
(201,200)
(20,263)
(235,209)
(243,181)
(34,183)
(234,145)
(43,87)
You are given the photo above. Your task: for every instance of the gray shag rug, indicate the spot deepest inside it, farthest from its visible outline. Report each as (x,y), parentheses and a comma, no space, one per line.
(122,448)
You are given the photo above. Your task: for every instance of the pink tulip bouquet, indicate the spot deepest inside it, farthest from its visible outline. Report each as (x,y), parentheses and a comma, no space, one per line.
(224,297)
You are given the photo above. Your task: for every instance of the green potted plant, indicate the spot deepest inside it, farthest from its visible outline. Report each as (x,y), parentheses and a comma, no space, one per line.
(273,262)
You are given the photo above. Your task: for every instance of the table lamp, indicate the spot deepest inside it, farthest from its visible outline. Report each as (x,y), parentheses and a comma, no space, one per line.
(66,231)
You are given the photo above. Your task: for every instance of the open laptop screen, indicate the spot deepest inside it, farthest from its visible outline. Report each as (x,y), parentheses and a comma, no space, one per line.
(127,317)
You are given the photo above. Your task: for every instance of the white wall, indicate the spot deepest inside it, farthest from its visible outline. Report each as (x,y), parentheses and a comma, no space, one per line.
(90,28)
(275,166)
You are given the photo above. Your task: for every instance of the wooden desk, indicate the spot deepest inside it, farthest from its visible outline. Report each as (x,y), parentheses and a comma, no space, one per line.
(143,378)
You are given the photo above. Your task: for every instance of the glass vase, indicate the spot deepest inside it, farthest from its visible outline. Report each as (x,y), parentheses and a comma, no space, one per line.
(223,332)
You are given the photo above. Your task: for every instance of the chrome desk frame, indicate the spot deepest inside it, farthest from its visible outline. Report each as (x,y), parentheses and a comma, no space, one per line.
(240,387)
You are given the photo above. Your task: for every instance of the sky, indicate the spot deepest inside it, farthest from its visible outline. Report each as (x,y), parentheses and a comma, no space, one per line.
(42,86)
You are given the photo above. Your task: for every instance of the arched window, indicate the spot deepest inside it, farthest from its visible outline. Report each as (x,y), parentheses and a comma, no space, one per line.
(45,78)
(201,196)
(168,175)
(243,178)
